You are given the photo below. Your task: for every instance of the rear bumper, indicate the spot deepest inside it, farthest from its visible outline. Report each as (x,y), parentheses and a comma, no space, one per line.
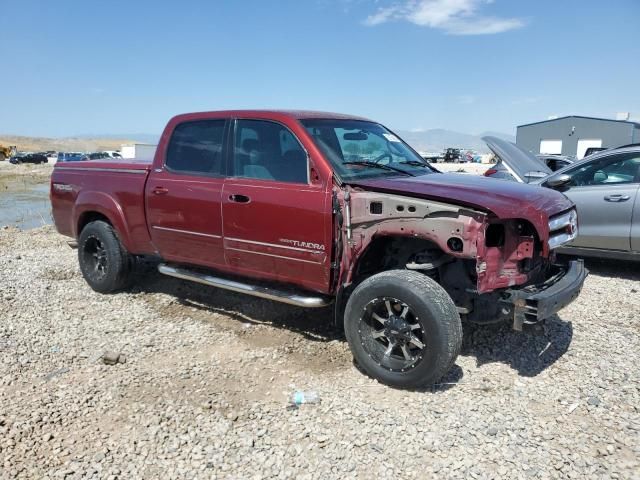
(535,303)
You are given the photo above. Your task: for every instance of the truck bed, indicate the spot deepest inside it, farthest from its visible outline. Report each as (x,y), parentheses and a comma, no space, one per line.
(113,188)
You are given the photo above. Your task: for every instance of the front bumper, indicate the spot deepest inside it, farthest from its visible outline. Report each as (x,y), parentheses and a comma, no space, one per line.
(535,303)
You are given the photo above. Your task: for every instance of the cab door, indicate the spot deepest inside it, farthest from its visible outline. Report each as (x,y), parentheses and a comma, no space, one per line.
(184,196)
(276,221)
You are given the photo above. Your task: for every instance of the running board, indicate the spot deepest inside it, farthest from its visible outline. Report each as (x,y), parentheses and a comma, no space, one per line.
(255,290)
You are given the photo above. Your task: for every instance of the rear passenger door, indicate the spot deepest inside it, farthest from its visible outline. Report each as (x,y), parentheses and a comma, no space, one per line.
(183,197)
(276,222)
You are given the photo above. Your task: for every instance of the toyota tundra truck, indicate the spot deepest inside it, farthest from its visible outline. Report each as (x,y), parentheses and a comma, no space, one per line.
(316,209)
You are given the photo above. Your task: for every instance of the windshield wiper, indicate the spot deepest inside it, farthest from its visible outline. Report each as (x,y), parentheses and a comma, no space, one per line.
(416,163)
(379,165)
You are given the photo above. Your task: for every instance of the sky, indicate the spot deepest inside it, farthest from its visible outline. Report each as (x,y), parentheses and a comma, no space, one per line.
(84,67)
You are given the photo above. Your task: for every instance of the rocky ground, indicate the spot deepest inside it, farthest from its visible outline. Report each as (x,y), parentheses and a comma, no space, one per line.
(201,387)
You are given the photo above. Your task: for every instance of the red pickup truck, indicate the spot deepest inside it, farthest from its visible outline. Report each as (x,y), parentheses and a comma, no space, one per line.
(314,208)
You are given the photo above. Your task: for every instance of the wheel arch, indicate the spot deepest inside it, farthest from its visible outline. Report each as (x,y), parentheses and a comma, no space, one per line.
(91,206)
(383,250)
(375,257)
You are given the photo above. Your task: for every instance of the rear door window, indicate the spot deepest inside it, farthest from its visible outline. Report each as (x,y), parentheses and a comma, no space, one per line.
(196,148)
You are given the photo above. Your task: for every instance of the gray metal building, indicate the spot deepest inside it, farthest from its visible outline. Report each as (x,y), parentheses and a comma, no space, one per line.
(572,135)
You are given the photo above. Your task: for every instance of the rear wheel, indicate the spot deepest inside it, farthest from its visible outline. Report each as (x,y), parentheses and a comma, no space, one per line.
(403,328)
(104,262)
(2,157)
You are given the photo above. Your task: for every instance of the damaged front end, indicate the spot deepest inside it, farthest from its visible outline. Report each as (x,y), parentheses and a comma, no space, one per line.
(492,268)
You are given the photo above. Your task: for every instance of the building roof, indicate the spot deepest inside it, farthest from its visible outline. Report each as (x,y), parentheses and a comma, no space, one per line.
(580,116)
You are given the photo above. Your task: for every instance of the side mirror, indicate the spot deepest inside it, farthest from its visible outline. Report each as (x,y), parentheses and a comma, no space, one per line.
(534,177)
(558,181)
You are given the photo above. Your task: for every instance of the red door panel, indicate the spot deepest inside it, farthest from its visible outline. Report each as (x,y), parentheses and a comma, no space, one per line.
(278,231)
(184,212)
(185,218)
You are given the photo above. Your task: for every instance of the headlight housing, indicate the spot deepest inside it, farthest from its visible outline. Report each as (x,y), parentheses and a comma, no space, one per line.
(563,228)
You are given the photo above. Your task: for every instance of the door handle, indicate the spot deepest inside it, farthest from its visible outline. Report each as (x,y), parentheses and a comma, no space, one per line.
(617,198)
(160,191)
(239,198)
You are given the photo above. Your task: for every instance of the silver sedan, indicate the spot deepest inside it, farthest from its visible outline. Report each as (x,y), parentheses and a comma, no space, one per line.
(604,186)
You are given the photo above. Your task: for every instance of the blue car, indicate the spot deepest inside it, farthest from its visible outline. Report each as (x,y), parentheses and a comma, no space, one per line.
(71,157)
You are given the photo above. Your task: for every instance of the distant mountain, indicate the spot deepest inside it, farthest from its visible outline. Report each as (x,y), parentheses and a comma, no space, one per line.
(69,144)
(151,138)
(503,136)
(436,140)
(432,141)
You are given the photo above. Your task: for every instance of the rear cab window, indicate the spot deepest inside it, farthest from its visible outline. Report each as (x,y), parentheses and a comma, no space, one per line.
(196,148)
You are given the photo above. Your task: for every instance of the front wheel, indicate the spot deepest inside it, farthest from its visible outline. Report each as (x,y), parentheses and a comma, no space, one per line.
(403,329)
(104,262)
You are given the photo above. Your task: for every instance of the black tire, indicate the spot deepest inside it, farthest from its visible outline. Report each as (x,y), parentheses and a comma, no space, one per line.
(2,157)
(430,313)
(104,262)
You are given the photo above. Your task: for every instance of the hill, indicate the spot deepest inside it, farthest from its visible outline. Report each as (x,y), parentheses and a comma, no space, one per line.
(436,140)
(71,144)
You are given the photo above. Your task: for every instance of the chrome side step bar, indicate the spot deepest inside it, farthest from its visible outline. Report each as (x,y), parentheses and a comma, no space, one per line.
(255,290)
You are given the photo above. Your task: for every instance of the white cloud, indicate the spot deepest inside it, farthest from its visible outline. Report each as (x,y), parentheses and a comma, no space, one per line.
(381,16)
(456,17)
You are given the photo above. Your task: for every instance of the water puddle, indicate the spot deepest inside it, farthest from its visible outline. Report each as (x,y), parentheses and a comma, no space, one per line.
(26,209)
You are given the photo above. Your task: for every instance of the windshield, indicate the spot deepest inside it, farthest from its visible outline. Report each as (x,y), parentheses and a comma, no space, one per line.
(359,149)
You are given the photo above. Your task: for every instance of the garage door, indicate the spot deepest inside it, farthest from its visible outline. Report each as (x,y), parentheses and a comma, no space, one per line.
(583,144)
(551,147)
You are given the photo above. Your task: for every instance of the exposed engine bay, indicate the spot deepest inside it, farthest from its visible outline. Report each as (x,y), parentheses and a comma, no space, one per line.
(472,254)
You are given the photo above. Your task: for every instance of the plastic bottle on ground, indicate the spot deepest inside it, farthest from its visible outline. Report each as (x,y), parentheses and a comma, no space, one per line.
(300,397)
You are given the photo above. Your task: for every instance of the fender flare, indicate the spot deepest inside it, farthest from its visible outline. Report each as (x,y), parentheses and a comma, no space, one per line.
(104,204)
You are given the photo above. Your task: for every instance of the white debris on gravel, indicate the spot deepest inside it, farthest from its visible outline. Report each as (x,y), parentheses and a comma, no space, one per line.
(202,396)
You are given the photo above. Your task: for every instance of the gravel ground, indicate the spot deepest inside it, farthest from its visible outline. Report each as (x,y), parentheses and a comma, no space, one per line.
(203,389)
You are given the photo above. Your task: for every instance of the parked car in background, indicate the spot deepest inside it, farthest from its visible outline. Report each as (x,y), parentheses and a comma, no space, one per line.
(113,153)
(312,208)
(556,162)
(97,155)
(29,158)
(433,157)
(604,186)
(453,155)
(71,157)
(469,156)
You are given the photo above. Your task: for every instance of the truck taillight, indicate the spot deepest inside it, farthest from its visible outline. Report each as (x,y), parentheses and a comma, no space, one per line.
(490,172)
